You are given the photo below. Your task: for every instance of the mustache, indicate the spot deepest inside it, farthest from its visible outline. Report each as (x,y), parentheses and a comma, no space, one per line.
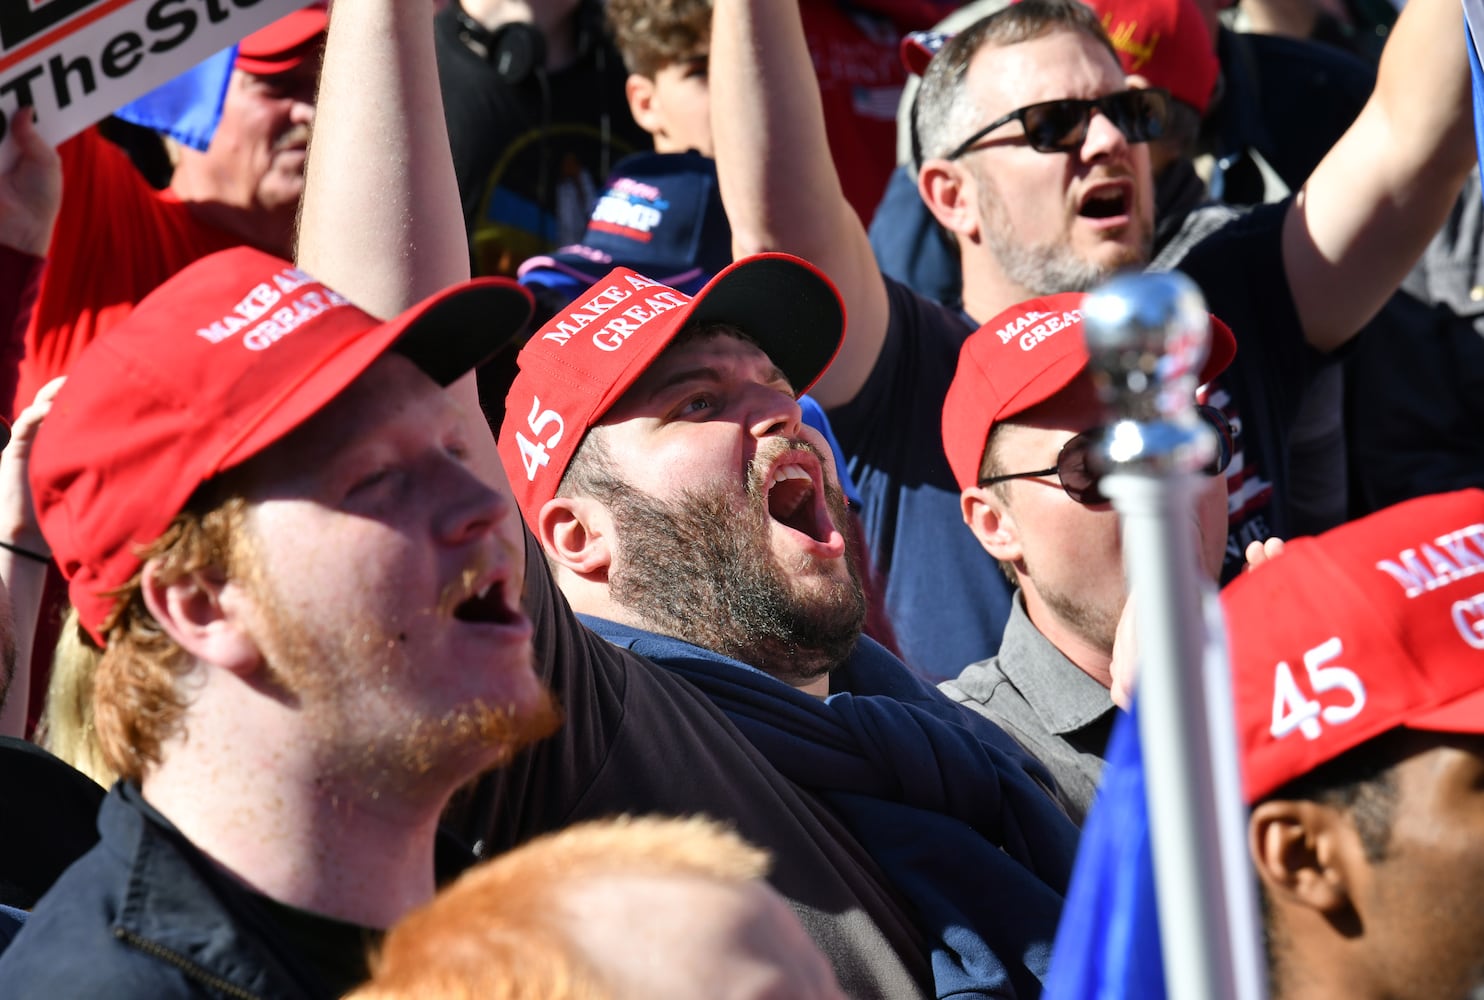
(297,135)
(461,589)
(769,451)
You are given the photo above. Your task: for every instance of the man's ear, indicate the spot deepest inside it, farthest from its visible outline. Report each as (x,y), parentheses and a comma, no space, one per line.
(1306,855)
(991,522)
(640,93)
(202,614)
(947,190)
(578,534)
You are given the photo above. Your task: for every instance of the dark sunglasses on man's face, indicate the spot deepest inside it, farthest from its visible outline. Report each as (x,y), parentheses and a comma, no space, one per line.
(1081,482)
(1061,126)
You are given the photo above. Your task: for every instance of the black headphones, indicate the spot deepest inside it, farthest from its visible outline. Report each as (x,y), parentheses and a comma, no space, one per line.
(517,53)
(517,50)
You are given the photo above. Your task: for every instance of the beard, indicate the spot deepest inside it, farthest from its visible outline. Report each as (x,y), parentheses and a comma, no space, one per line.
(332,676)
(1047,268)
(701,570)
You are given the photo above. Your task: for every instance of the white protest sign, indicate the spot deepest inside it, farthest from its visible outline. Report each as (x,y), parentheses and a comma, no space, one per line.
(77,61)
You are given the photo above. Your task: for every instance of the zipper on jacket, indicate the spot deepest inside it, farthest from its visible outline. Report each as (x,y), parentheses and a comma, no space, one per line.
(184,964)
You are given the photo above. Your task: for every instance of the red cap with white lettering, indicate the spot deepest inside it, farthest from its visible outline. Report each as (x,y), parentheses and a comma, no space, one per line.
(1022,357)
(583,360)
(214,366)
(1373,625)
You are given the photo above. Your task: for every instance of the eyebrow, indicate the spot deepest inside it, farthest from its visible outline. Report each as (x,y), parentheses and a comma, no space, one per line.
(708,373)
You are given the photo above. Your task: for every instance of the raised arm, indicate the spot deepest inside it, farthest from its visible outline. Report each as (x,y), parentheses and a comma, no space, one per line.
(1373,203)
(381,219)
(778,181)
(23,558)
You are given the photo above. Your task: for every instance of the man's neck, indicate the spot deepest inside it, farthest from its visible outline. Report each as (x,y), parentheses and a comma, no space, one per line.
(986,290)
(620,614)
(309,844)
(1089,656)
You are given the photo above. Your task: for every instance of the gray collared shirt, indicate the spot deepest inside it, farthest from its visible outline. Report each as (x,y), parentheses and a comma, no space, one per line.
(1044,700)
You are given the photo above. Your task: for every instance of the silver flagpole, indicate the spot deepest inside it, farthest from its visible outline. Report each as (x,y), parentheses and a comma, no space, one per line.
(1148,335)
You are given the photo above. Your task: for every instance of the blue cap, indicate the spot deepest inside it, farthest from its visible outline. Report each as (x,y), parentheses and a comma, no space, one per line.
(660,215)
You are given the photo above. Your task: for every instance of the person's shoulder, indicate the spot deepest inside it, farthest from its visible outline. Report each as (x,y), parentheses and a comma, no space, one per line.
(916,311)
(980,684)
(1241,248)
(1303,58)
(68,947)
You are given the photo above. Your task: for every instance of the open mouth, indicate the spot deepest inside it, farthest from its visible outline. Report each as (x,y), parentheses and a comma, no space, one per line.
(793,501)
(490,605)
(1105,205)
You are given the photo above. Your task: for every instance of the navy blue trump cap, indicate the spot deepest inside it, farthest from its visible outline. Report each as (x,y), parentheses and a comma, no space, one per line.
(660,215)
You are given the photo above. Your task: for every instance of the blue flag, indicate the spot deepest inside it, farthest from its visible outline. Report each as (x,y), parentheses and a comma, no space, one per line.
(188,107)
(1107,945)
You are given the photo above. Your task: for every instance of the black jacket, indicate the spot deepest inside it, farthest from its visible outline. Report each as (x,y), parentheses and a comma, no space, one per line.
(144,914)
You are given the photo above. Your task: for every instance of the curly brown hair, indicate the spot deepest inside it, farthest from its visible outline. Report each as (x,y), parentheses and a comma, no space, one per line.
(653,34)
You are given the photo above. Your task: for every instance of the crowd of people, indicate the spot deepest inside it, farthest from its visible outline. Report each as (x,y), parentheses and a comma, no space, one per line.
(555,502)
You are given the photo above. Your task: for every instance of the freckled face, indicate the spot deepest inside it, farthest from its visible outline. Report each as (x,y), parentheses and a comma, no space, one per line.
(388,578)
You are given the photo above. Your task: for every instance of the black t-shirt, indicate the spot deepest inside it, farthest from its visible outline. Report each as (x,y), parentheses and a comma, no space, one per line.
(947,598)
(331,951)
(531,155)
(51,820)
(638,741)
(1239,269)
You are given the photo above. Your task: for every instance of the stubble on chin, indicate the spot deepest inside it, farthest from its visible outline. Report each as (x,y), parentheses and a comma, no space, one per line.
(1054,266)
(327,675)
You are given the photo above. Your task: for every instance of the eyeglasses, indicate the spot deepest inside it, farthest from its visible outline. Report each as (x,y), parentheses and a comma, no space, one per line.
(1081,482)
(1061,126)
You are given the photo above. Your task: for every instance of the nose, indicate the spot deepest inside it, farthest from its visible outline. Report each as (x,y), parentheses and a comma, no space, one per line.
(1103,139)
(471,507)
(773,412)
(302,110)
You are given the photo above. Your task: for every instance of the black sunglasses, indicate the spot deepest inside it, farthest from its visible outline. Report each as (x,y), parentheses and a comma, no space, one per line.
(1061,126)
(1081,482)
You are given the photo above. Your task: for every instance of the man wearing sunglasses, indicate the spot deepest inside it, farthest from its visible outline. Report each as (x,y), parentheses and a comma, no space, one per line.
(1018,423)
(1035,161)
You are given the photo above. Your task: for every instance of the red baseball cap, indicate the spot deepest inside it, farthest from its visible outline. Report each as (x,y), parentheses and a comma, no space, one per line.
(1374,625)
(1022,357)
(284,44)
(1165,41)
(917,49)
(585,358)
(214,366)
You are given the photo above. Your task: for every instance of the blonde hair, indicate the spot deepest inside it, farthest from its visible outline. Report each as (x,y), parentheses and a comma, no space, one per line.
(66,726)
(497,933)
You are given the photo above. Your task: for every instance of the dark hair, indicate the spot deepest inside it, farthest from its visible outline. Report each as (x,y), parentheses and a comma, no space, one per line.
(1360,782)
